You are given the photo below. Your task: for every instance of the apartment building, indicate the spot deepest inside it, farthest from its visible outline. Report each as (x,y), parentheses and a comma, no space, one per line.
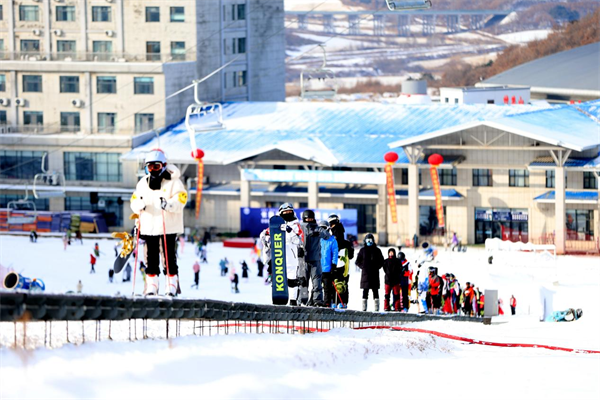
(79,79)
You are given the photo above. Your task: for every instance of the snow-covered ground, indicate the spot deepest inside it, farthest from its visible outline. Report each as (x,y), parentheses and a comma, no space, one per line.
(525,36)
(340,363)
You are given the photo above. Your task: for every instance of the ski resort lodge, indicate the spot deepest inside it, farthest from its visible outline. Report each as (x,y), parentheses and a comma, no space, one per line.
(518,172)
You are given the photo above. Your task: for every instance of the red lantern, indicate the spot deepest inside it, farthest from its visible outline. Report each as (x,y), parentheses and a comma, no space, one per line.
(390,157)
(435,159)
(197,154)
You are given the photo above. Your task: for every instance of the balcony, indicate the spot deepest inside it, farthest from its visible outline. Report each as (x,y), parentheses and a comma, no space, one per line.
(96,57)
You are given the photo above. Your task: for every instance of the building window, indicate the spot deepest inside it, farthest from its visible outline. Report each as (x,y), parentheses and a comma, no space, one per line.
(152,14)
(29,13)
(238,11)
(69,122)
(491,102)
(2,83)
(105,167)
(32,83)
(65,13)
(238,45)
(428,221)
(101,14)
(152,51)
(366,217)
(106,84)
(178,51)
(20,164)
(3,120)
(1,13)
(405,176)
(482,177)
(69,84)
(590,181)
(518,178)
(107,122)
(177,14)
(143,85)
(30,47)
(447,176)
(102,49)
(580,225)
(65,48)
(239,79)
(550,179)
(40,204)
(144,122)
(33,118)
(110,207)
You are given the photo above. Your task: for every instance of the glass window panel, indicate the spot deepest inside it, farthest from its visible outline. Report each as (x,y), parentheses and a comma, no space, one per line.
(177,14)
(69,122)
(65,13)
(30,46)
(152,14)
(144,122)
(69,84)
(101,14)
(2,117)
(106,84)
(107,122)
(178,51)
(143,85)
(2,83)
(29,13)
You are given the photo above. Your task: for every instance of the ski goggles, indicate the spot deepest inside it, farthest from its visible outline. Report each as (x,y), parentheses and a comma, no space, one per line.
(369,241)
(155,166)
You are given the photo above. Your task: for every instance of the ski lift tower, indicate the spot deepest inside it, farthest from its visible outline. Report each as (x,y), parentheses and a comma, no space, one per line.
(48,184)
(405,5)
(199,111)
(324,76)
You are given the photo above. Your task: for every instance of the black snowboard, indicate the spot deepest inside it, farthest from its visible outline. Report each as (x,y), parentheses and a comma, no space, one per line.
(120,262)
(279,282)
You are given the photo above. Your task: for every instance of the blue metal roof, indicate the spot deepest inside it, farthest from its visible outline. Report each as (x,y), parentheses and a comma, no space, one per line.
(571,196)
(547,161)
(340,133)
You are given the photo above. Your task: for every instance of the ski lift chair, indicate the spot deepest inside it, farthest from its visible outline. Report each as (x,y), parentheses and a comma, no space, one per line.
(48,184)
(14,206)
(405,5)
(201,109)
(322,74)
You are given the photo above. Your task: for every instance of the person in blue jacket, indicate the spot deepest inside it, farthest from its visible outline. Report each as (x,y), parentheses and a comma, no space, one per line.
(329,259)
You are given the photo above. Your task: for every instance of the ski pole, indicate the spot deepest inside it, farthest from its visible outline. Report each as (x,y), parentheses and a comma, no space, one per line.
(165,242)
(137,252)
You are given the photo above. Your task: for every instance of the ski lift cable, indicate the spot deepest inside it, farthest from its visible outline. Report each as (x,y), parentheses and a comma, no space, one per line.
(213,34)
(120,144)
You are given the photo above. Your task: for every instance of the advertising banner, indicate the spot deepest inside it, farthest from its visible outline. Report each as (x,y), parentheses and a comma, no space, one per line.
(391,192)
(439,207)
(254,220)
(199,187)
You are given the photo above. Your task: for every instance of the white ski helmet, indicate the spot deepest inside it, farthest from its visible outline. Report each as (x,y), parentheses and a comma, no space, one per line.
(156,155)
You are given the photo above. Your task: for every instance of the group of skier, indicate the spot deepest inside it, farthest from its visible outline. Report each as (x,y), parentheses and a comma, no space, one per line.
(317,258)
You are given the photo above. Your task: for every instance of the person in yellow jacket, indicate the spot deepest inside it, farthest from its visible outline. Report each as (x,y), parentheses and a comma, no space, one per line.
(159,200)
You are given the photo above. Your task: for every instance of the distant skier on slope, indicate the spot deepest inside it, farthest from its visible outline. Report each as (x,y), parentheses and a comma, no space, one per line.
(159,199)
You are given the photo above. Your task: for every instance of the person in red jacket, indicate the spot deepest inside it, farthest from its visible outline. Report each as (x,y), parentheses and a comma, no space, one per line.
(513,304)
(435,290)
(468,299)
(93,263)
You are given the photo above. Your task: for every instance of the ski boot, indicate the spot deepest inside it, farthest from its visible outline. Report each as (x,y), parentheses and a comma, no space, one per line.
(376,305)
(172,284)
(364,305)
(151,285)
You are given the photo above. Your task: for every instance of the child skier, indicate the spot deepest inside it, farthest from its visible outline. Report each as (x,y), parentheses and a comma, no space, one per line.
(93,264)
(392,267)
(329,259)
(159,200)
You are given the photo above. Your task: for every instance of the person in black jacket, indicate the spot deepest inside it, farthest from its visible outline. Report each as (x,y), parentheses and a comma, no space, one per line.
(405,278)
(370,261)
(346,253)
(392,267)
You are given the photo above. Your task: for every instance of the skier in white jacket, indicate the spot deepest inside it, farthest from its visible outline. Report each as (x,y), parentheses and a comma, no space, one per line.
(159,199)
